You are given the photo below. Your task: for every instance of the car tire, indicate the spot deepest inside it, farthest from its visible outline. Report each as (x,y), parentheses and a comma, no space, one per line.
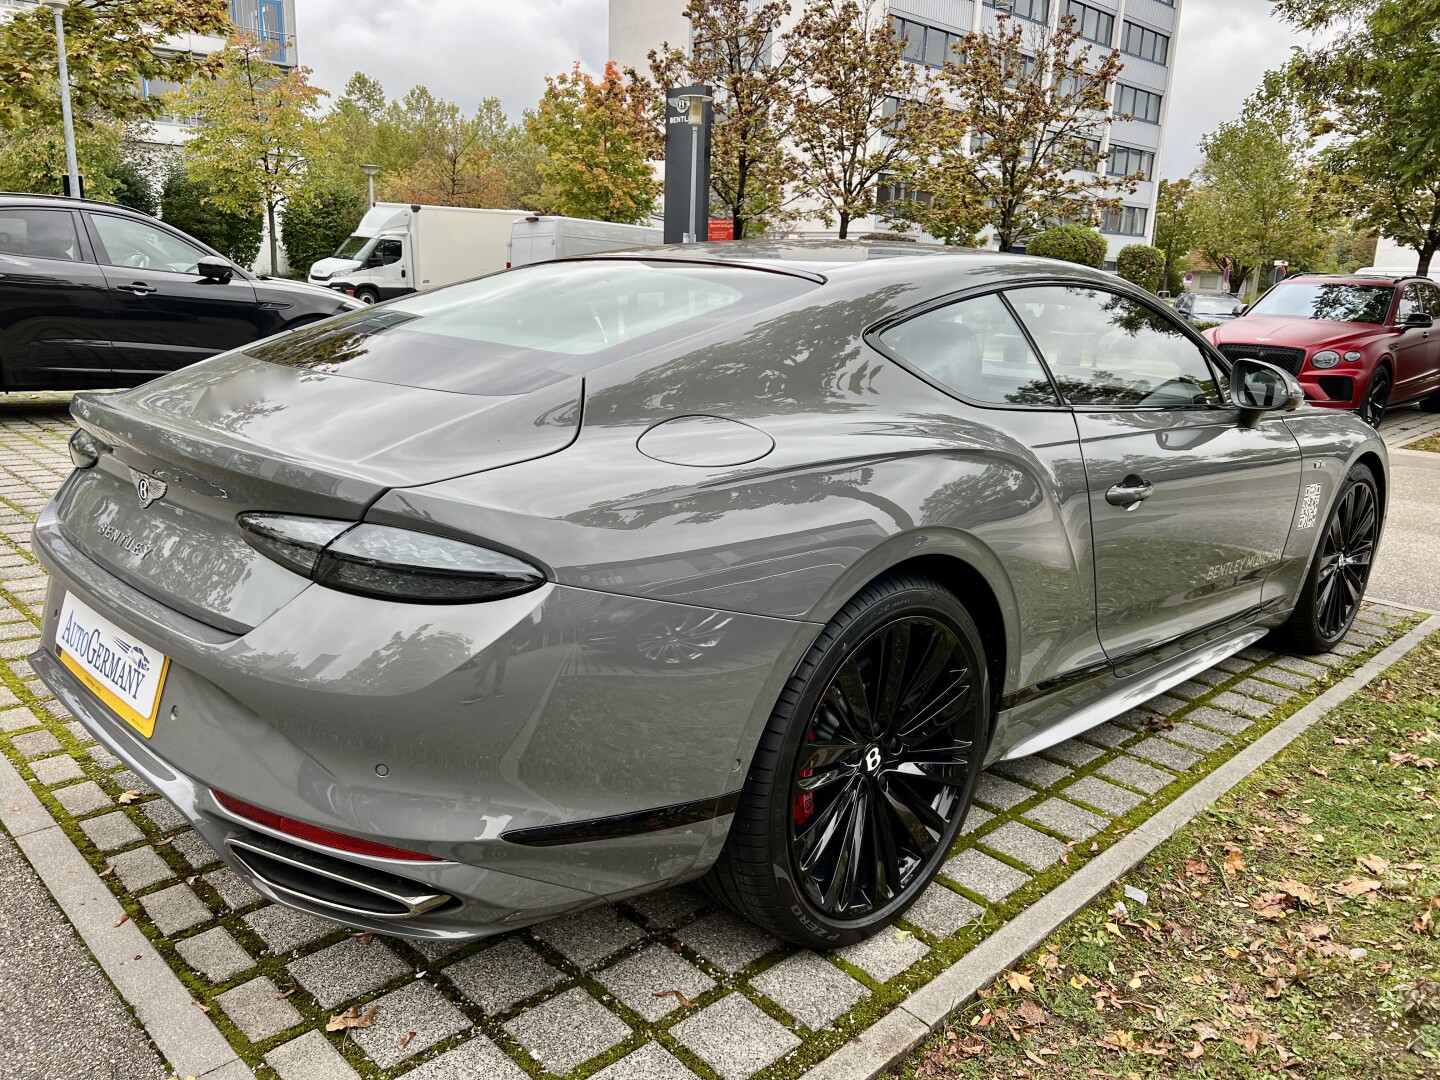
(1377,397)
(367,296)
(886,798)
(1334,588)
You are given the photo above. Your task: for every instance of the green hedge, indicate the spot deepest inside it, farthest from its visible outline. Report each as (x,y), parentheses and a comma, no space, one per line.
(1070,243)
(1142,264)
(312,228)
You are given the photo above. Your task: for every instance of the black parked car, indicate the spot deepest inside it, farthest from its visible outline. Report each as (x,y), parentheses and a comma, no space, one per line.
(97,295)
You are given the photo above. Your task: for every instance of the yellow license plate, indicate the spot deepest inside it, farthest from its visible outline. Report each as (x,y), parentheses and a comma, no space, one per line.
(125,674)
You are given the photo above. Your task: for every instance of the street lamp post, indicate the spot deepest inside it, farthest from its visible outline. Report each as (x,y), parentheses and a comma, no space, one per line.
(58,7)
(699,211)
(370,171)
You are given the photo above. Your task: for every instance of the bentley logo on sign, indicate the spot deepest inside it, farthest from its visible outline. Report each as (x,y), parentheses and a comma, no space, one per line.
(148,488)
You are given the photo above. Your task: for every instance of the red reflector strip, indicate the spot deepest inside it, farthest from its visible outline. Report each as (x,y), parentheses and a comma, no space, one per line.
(315,834)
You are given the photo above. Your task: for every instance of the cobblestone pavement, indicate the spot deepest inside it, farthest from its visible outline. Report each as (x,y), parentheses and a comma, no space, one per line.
(663,987)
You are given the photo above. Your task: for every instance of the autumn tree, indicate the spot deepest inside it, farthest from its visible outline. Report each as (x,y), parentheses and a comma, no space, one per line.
(1174,229)
(32,155)
(257,132)
(1010,138)
(860,93)
(455,165)
(755,86)
(599,138)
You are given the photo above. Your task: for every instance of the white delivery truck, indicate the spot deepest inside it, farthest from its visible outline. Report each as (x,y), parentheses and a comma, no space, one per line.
(399,249)
(537,239)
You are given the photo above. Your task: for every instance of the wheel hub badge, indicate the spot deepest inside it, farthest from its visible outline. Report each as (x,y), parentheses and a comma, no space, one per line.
(872,759)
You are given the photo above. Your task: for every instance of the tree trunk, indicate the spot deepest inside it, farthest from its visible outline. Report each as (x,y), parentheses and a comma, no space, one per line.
(844,225)
(739,223)
(1427,252)
(274,243)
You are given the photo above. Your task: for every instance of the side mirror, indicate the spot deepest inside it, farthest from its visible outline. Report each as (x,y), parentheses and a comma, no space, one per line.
(1418,320)
(1239,309)
(1257,388)
(214,268)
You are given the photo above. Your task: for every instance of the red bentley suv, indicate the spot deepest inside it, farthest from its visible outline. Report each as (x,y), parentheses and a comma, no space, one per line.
(1354,342)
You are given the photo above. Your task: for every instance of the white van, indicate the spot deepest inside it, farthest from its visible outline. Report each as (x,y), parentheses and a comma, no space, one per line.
(538,239)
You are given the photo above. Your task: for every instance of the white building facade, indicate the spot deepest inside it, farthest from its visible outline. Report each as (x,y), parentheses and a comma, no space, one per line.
(1145,32)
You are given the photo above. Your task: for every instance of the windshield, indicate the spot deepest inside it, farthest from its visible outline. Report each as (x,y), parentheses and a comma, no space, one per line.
(514,331)
(350,249)
(1332,303)
(1214,305)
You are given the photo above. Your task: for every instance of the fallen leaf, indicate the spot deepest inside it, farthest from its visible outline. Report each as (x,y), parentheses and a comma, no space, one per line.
(125,798)
(200,1005)
(1358,886)
(1299,890)
(1315,931)
(684,1001)
(1079,980)
(1234,860)
(284,994)
(109,869)
(404,1040)
(125,917)
(353,1018)
(162,843)
(365,937)
(192,879)
(1374,863)
(1032,1013)
(1017,981)
(1195,1052)
(1198,869)
(1318,771)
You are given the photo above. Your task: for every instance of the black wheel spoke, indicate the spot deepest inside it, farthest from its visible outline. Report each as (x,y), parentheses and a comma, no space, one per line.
(850,685)
(946,765)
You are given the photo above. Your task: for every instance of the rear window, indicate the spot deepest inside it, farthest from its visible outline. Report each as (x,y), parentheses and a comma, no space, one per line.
(516,331)
(1333,303)
(1208,305)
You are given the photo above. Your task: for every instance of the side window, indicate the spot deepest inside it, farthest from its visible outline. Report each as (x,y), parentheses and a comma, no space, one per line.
(386,252)
(1432,299)
(140,246)
(1106,349)
(39,234)
(1409,302)
(975,349)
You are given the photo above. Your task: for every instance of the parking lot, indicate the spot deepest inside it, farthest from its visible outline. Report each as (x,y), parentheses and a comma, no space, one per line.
(664,986)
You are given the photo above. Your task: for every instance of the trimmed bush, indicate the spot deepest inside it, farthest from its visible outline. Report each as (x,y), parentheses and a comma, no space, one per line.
(1141,264)
(133,188)
(1069,243)
(236,236)
(312,228)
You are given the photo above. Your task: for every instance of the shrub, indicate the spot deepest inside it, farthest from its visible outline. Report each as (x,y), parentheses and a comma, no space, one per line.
(311,228)
(236,236)
(132,188)
(1141,264)
(1070,243)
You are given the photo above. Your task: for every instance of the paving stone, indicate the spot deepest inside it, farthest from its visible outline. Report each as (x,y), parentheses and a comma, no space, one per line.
(1212,677)
(57,770)
(1245,706)
(734,1037)
(284,929)
(569,1029)
(130,780)
(141,868)
(214,954)
(975,817)
(162,815)
(174,909)
(588,937)
(667,907)
(34,744)
(810,988)
(1165,705)
(1254,653)
(651,1062)
(18,719)
(83,798)
(1023,844)
(1294,679)
(1037,772)
(310,1057)
(1266,691)
(1196,738)
(417,1008)
(727,941)
(1067,819)
(1106,735)
(1190,691)
(885,955)
(941,911)
(103,757)
(435,949)
(1164,753)
(1229,723)
(1338,655)
(480,1059)
(637,979)
(999,794)
(1134,774)
(253,1008)
(984,876)
(194,849)
(503,975)
(1357,636)
(1234,665)
(340,972)
(1135,719)
(1074,752)
(110,831)
(1300,666)
(235,892)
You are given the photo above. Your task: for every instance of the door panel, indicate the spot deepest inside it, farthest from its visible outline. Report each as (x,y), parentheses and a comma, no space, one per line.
(1414,351)
(54,314)
(165,315)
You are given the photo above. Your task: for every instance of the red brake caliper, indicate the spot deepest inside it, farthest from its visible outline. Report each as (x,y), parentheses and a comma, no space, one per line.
(805,804)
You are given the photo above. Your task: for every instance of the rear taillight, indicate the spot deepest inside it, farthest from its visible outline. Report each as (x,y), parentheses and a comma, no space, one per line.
(313,833)
(85,449)
(386,562)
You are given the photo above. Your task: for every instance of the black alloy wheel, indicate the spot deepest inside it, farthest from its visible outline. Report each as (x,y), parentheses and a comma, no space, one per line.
(863,776)
(1377,397)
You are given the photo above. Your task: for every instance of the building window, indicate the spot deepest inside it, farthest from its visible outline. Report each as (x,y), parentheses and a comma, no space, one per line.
(1141,104)
(1091,23)
(1127,221)
(1125,160)
(265,19)
(889,191)
(1145,43)
(922,44)
(1034,10)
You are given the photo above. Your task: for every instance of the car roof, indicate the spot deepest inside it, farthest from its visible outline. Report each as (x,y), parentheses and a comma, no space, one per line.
(39,199)
(1354,279)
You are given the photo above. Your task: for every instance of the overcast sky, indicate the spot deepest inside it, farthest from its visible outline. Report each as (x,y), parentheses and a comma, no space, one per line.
(465,50)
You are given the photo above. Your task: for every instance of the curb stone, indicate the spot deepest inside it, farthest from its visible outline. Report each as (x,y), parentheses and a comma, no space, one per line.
(886,1042)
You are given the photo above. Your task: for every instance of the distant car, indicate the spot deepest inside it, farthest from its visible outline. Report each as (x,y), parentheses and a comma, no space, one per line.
(98,295)
(1355,342)
(1197,308)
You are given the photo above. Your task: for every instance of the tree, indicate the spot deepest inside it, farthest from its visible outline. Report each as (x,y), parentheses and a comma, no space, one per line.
(1141,264)
(733,52)
(315,226)
(111,47)
(1174,230)
(599,140)
(1071,243)
(256,134)
(185,203)
(1032,105)
(32,156)
(860,93)
(133,188)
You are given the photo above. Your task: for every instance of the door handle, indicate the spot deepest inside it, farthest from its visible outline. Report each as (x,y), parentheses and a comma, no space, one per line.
(139,288)
(1130,492)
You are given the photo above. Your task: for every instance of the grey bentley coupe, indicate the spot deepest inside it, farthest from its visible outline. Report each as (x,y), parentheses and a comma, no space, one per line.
(734,562)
